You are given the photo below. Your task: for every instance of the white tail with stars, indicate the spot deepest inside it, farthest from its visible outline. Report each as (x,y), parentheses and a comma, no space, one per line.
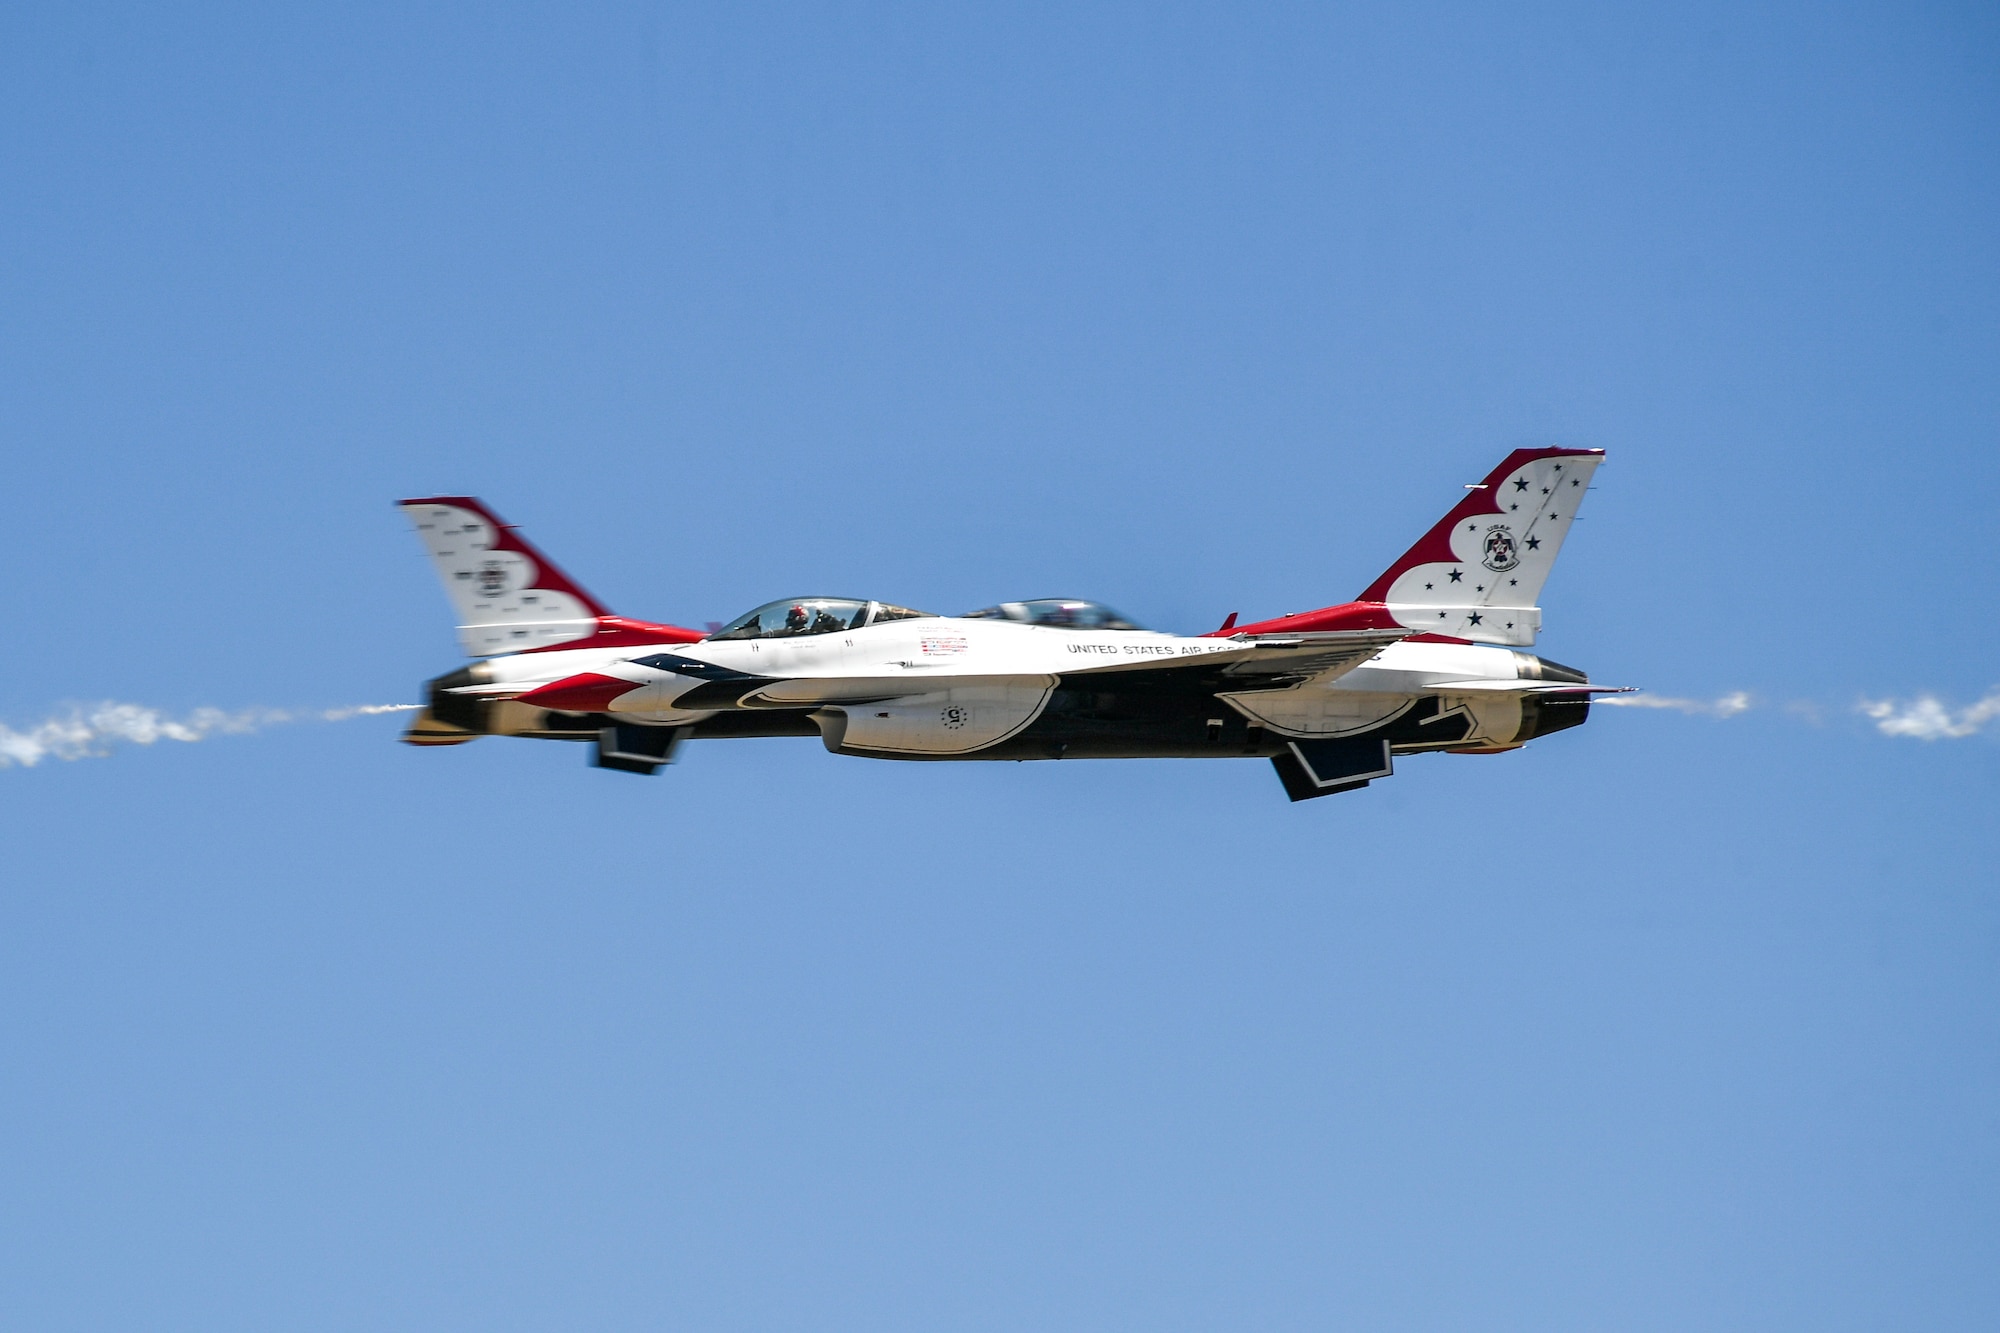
(1477,576)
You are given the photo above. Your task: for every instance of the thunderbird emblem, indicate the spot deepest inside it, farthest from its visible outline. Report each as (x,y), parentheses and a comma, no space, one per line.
(1501,551)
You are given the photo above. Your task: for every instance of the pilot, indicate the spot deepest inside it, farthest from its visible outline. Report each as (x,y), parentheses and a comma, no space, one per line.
(795,620)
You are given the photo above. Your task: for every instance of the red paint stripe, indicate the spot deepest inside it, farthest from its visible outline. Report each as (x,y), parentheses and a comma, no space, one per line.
(586,693)
(1348,615)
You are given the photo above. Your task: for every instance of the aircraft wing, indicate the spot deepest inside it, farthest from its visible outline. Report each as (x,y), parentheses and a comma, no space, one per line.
(1523,687)
(1326,655)
(1271,660)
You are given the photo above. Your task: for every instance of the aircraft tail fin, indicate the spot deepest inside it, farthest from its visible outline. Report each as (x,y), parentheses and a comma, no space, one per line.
(1478,574)
(510,598)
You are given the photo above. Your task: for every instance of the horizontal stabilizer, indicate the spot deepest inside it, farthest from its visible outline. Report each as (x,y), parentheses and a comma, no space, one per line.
(427,729)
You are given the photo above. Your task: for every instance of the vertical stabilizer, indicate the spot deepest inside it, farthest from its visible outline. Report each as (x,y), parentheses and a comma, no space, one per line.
(1478,574)
(509,597)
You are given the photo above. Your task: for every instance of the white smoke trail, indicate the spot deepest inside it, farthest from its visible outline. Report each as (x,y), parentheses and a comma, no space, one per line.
(1729,705)
(1924,718)
(88,731)
(1927,719)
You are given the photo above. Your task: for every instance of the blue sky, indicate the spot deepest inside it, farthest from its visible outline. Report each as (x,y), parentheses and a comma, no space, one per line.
(1673,1021)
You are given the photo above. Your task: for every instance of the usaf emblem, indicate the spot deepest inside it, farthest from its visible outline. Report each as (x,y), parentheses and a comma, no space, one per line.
(1501,551)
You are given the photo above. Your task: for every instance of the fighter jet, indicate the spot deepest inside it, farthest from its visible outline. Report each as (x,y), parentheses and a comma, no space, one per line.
(1426,659)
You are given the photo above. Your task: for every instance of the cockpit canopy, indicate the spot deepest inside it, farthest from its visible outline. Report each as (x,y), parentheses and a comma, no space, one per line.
(1056,613)
(799,616)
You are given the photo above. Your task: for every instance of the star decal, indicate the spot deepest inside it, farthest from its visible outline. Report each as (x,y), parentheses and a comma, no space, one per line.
(1520,483)
(1429,586)
(1472,527)
(1513,583)
(1514,506)
(1510,624)
(1472,619)
(1555,515)
(1480,588)
(1534,543)
(1545,490)
(1574,482)
(1456,575)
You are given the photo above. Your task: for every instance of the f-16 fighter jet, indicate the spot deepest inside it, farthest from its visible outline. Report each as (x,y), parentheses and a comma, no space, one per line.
(1426,659)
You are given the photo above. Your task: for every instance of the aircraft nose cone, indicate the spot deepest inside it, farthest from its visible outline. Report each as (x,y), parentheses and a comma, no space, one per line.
(587,693)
